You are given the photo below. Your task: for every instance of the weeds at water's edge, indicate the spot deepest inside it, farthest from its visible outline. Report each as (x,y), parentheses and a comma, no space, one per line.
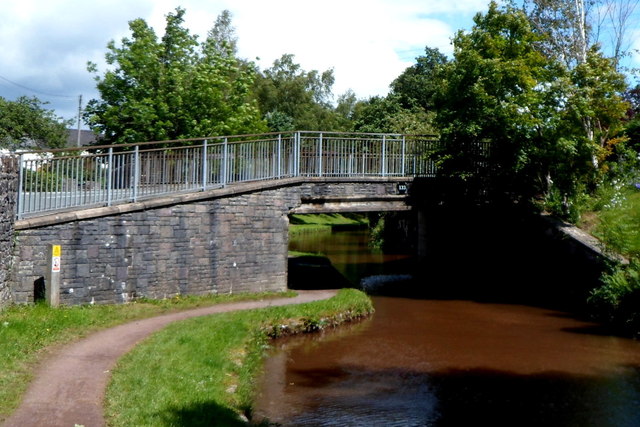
(617,301)
(180,374)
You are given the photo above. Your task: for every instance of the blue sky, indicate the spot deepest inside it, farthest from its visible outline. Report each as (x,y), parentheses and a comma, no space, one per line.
(47,43)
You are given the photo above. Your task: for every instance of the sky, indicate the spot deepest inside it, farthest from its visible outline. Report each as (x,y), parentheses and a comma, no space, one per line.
(46,43)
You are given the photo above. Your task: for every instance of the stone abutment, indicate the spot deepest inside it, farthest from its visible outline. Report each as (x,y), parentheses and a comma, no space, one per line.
(8,192)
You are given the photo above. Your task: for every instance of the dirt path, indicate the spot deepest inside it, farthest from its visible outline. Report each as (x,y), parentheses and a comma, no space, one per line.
(69,385)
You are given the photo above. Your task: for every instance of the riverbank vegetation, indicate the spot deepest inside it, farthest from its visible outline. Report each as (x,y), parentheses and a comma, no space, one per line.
(27,331)
(616,224)
(202,371)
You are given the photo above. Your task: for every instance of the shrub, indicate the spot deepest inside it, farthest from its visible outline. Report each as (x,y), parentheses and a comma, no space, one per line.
(617,301)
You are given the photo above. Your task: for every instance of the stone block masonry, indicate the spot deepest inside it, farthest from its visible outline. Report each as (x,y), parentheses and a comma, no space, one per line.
(8,192)
(235,244)
(222,244)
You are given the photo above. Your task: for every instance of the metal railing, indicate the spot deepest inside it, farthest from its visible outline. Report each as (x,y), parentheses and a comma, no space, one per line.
(107,175)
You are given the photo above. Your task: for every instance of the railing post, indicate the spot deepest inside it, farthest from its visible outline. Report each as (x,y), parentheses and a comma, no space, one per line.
(205,168)
(403,155)
(21,196)
(320,155)
(279,171)
(136,173)
(296,154)
(382,157)
(225,159)
(110,177)
(80,186)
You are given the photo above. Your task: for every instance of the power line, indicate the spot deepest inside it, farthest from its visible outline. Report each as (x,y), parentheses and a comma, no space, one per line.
(36,91)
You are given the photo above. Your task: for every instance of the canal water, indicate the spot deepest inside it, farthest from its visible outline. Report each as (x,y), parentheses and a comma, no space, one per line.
(449,359)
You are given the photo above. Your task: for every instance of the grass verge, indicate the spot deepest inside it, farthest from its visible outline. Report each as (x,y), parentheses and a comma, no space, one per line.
(325,222)
(616,224)
(201,372)
(619,226)
(26,331)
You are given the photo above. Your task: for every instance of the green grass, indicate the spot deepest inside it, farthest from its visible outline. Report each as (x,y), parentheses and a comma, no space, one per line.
(27,330)
(201,372)
(619,226)
(324,222)
(299,254)
(616,222)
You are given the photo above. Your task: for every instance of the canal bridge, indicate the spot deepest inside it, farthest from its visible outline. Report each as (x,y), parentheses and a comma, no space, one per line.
(195,216)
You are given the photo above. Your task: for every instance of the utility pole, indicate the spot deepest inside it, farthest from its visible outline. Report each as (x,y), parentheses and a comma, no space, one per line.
(79,115)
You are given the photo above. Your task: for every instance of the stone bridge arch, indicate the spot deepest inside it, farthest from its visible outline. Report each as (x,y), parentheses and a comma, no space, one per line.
(227,240)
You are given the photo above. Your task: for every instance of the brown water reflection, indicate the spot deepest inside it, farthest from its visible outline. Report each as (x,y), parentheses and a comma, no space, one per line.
(421,362)
(463,359)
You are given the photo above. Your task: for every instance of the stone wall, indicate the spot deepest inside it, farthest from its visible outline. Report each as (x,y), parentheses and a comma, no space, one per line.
(8,191)
(364,188)
(223,244)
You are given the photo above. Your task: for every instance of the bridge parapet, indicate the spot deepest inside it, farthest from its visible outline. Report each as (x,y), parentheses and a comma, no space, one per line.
(65,179)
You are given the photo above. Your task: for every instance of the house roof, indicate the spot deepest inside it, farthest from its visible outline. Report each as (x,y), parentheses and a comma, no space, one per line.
(87,137)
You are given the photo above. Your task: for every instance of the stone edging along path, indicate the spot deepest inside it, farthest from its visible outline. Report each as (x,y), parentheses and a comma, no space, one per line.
(69,385)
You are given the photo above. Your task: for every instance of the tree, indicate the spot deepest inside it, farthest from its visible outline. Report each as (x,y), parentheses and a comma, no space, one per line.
(223,36)
(618,15)
(572,28)
(494,95)
(416,86)
(549,130)
(627,154)
(26,123)
(596,104)
(570,32)
(387,115)
(565,29)
(409,106)
(297,99)
(173,88)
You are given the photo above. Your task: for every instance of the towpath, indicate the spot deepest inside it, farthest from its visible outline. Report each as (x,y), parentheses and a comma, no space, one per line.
(69,385)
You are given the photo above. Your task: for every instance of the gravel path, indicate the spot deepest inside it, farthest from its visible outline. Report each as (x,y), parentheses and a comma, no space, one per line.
(69,385)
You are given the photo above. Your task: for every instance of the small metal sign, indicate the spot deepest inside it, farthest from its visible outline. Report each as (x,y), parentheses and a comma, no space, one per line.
(56,253)
(402,188)
(52,278)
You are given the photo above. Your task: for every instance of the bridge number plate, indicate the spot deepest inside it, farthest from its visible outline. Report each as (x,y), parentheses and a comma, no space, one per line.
(56,252)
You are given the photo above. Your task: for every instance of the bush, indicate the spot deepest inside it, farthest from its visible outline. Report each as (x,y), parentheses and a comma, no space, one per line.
(566,206)
(617,301)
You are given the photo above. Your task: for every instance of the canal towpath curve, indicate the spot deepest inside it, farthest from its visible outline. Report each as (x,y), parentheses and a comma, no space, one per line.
(69,385)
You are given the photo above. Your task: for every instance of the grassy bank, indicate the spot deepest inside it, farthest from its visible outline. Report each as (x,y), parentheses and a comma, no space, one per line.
(201,372)
(617,224)
(26,331)
(325,222)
